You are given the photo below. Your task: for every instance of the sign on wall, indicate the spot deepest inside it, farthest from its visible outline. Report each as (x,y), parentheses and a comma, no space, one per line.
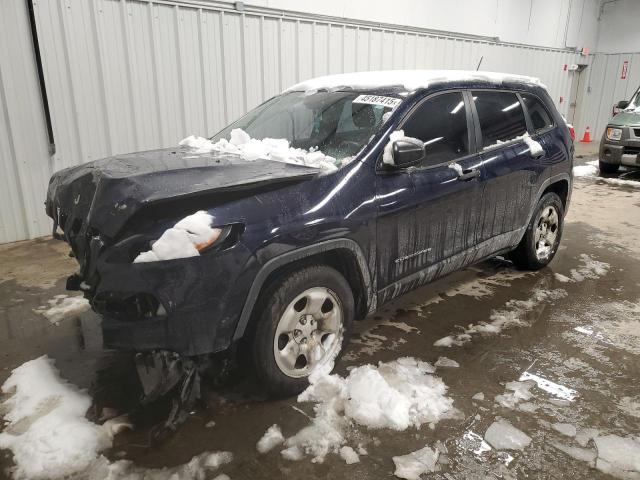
(625,68)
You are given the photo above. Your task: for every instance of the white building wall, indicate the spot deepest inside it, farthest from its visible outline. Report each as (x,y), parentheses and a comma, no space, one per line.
(127,75)
(548,23)
(24,160)
(619,27)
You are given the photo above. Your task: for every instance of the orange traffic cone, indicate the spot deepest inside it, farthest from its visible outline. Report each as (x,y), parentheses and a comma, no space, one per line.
(586,138)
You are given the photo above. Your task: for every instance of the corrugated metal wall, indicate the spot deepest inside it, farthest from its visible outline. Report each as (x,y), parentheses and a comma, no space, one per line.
(604,87)
(24,158)
(126,75)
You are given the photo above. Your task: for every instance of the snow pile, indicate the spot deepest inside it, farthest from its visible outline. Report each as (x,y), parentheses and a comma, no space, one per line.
(183,240)
(511,316)
(590,269)
(515,393)
(272,438)
(349,455)
(534,147)
(47,430)
(197,468)
(251,149)
(397,395)
(618,456)
(63,306)
(50,438)
(446,362)
(387,154)
(414,464)
(589,169)
(410,80)
(502,435)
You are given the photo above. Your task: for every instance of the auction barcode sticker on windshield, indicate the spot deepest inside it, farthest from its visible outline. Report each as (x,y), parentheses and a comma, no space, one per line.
(378,100)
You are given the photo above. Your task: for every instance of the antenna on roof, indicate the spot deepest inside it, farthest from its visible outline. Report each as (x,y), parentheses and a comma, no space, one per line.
(480,63)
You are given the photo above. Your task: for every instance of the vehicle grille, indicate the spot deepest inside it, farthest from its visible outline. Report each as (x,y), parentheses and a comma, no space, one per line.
(636,132)
(631,150)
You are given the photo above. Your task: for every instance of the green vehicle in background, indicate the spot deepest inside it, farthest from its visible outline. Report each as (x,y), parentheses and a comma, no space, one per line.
(620,144)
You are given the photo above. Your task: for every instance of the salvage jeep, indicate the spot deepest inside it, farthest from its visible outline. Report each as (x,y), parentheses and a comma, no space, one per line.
(311,211)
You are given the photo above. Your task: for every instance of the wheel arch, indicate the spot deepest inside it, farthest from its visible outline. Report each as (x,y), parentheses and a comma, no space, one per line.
(343,254)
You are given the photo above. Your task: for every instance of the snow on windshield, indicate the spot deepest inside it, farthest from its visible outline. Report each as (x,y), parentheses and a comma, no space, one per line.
(251,149)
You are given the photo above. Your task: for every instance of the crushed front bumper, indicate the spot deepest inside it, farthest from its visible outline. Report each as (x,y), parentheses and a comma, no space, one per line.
(190,306)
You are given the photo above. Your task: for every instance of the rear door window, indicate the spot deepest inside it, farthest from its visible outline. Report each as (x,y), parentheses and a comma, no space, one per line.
(540,117)
(501,116)
(441,123)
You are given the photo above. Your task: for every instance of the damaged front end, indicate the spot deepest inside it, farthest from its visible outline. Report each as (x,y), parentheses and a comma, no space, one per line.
(172,312)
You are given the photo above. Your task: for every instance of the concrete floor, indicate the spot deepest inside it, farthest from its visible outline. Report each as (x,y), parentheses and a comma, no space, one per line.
(600,359)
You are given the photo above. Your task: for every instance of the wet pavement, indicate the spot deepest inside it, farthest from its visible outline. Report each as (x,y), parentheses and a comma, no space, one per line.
(579,350)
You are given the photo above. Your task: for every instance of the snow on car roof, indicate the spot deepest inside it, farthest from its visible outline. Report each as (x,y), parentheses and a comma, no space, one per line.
(410,80)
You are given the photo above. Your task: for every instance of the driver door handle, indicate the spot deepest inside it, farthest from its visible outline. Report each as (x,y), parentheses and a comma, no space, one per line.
(469,174)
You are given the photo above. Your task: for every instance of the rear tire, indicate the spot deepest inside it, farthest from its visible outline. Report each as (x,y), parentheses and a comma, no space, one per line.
(542,237)
(304,319)
(608,168)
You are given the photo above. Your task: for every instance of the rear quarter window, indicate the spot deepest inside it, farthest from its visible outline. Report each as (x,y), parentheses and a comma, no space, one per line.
(540,117)
(501,116)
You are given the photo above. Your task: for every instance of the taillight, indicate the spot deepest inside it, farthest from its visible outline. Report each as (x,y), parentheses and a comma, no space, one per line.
(572,132)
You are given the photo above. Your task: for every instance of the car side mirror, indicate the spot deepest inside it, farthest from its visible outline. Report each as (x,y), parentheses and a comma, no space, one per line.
(623,104)
(407,152)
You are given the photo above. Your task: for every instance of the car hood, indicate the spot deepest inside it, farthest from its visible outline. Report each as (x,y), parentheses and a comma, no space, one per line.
(626,119)
(104,194)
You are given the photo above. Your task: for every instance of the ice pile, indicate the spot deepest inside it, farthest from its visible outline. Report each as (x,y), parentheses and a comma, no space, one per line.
(592,171)
(50,438)
(184,240)
(63,306)
(47,430)
(414,464)
(502,435)
(398,395)
(251,149)
(511,316)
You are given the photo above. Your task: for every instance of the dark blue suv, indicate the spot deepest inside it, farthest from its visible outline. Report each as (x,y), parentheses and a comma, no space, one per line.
(320,205)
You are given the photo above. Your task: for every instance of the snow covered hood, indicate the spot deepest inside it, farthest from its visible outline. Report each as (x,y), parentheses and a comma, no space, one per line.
(409,80)
(106,193)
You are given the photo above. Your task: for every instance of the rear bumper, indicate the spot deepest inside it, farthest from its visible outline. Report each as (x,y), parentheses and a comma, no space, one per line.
(195,302)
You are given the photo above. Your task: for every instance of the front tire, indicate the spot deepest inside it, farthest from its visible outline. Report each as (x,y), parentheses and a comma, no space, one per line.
(303,322)
(608,168)
(542,237)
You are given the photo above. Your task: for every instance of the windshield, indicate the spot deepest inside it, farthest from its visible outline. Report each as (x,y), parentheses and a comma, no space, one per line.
(338,124)
(634,104)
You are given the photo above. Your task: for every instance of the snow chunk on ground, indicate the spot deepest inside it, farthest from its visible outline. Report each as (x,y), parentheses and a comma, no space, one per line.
(183,240)
(590,169)
(504,436)
(617,456)
(47,432)
(565,429)
(62,306)
(271,439)
(534,147)
(582,454)
(349,455)
(590,269)
(50,438)
(414,464)
(446,362)
(396,395)
(251,149)
(478,396)
(562,278)
(519,392)
(511,316)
